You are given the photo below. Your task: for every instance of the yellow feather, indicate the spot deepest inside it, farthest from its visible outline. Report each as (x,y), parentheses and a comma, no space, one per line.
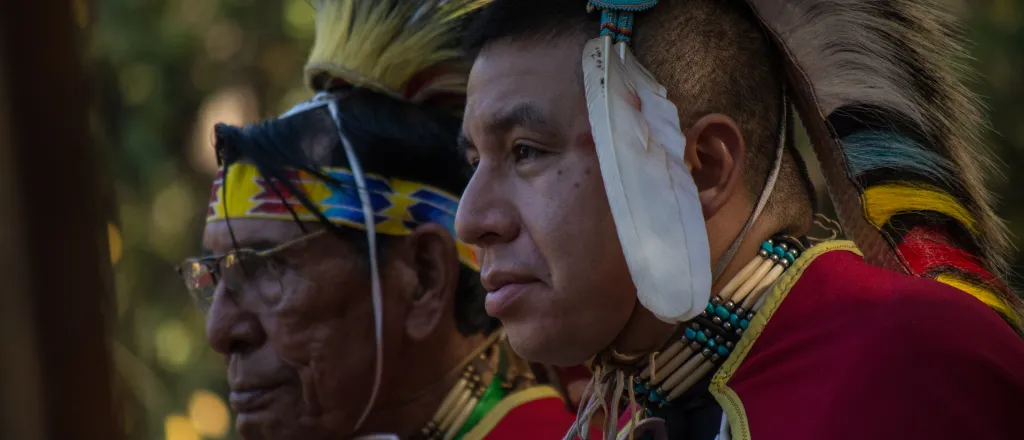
(984,295)
(882,202)
(382,44)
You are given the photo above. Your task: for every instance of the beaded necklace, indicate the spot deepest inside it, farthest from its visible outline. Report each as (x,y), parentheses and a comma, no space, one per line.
(708,339)
(704,343)
(471,398)
(456,406)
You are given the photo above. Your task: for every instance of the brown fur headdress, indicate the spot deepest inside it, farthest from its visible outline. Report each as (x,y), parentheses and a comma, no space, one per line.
(878,84)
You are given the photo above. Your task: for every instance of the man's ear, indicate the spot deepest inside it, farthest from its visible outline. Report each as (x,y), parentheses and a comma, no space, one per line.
(714,153)
(436,263)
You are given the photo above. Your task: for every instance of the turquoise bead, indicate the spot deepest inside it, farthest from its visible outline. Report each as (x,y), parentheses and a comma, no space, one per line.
(789,257)
(767,247)
(779,251)
(723,350)
(744,323)
(710,309)
(691,334)
(701,338)
(640,389)
(722,312)
(712,343)
(654,397)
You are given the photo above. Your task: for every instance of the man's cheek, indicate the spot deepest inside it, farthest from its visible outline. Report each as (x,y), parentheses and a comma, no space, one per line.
(296,337)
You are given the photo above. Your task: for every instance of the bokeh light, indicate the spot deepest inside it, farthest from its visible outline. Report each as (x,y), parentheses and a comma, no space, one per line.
(209,414)
(173,344)
(171,208)
(178,427)
(114,237)
(230,105)
(299,17)
(138,80)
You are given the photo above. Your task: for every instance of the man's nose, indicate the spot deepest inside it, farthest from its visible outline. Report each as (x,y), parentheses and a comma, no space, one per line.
(486,215)
(229,327)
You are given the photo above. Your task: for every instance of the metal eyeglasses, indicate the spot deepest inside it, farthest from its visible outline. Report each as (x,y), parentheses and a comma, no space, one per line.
(238,269)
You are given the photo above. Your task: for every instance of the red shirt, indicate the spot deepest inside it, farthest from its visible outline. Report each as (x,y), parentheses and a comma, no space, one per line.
(846,350)
(537,413)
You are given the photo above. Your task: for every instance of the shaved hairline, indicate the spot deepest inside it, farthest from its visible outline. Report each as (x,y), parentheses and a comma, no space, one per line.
(713,56)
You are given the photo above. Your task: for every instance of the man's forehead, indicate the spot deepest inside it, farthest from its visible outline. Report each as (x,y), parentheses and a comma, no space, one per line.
(527,80)
(502,61)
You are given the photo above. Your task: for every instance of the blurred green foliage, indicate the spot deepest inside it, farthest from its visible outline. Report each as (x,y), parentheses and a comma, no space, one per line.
(165,70)
(996,28)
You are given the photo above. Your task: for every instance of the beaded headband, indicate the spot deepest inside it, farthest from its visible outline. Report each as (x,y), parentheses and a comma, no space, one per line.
(399,206)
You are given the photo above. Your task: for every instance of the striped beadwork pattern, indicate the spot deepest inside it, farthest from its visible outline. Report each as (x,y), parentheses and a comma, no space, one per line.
(617,16)
(709,339)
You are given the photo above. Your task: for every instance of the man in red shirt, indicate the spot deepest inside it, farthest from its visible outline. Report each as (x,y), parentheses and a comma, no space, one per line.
(637,199)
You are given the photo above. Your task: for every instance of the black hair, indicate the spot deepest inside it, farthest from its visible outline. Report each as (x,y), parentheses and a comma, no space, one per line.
(391,138)
(528,20)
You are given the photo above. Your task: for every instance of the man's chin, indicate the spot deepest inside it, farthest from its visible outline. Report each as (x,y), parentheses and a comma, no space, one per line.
(266,425)
(257,426)
(543,348)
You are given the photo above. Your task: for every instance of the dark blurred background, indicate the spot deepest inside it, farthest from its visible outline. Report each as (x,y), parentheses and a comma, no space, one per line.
(163,72)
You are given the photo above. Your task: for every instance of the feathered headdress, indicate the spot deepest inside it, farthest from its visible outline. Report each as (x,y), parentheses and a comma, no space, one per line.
(405,48)
(899,136)
(878,85)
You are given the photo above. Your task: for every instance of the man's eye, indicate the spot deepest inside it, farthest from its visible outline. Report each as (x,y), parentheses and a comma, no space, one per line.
(524,152)
(473,159)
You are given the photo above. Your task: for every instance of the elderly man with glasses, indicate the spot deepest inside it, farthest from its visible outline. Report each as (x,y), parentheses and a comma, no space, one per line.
(334,285)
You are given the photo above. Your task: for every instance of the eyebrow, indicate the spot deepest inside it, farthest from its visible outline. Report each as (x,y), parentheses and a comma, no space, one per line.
(526,114)
(256,245)
(464,144)
(259,245)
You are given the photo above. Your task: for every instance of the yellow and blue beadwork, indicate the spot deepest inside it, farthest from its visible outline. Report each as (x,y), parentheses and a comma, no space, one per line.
(399,205)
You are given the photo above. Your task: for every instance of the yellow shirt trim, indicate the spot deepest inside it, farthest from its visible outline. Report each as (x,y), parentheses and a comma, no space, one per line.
(727,397)
(502,408)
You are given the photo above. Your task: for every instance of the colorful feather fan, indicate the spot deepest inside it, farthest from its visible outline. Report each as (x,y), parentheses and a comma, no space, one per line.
(878,86)
(408,49)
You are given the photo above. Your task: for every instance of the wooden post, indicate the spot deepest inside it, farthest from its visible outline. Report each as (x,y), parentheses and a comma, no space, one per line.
(55,368)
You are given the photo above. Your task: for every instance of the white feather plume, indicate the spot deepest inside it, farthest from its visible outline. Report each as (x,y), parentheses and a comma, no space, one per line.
(653,197)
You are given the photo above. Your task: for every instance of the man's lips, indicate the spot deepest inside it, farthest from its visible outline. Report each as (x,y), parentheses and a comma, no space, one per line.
(500,300)
(495,279)
(252,399)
